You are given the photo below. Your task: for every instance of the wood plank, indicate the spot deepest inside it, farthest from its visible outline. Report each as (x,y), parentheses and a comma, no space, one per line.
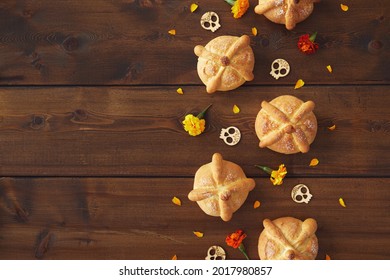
(127,42)
(137,131)
(134,218)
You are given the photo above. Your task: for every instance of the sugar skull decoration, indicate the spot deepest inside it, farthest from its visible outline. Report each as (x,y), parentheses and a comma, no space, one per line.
(287,12)
(301,194)
(220,187)
(230,135)
(225,63)
(215,253)
(279,68)
(210,21)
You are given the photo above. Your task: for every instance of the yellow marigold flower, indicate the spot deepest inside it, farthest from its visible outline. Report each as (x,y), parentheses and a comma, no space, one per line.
(239,7)
(277,176)
(193,125)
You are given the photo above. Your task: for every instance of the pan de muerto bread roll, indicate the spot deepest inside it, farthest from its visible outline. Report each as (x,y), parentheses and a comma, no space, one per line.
(288,12)
(286,125)
(288,238)
(225,63)
(220,187)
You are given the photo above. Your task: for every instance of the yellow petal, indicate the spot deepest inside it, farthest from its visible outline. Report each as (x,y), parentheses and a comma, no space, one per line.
(300,83)
(179,91)
(236,110)
(172,32)
(327,257)
(176,201)
(198,234)
(314,162)
(254,31)
(333,127)
(256,204)
(193,7)
(342,203)
(329,68)
(344,7)
(174,258)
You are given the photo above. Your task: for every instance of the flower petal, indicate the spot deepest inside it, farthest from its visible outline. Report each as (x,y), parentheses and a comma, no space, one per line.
(176,201)
(198,234)
(172,31)
(327,257)
(174,257)
(300,83)
(333,127)
(329,68)
(193,7)
(342,203)
(236,110)
(254,31)
(344,7)
(314,162)
(256,204)
(180,91)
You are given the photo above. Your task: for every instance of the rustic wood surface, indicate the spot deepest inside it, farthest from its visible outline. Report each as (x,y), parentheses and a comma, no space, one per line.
(92,148)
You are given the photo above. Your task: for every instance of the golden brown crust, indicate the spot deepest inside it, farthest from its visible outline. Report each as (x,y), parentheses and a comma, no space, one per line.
(225,63)
(288,238)
(286,125)
(288,12)
(220,187)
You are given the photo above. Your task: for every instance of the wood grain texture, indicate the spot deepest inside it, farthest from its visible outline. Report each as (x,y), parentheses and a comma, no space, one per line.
(127,42)
(122,131)
(124,218)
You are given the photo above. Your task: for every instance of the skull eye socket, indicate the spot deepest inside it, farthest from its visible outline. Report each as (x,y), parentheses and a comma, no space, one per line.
(303,190)
(213,18)
(299,197)
(275,65)
(212,252)
(206,24)
(283,71)
(231,131)
(229,139)
(219,258)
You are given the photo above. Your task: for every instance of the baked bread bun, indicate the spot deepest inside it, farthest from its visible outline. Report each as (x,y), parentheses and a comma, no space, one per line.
(225,63)
(220,188)
(288,12)
(286,125)
(288,238)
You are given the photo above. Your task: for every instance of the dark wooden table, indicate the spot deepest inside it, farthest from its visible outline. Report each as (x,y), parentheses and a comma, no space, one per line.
(92,148)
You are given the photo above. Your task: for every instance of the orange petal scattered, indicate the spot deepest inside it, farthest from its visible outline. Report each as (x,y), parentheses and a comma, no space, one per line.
(256,204)
(300,83)
(314,162)
(174,258)
(333,127)
(236,110)
(193,7)
(172,31)
(342,203)
(344,7)
(254,31)
(198,234)
(180,91)
(330,70)
(327,257)
(176,201)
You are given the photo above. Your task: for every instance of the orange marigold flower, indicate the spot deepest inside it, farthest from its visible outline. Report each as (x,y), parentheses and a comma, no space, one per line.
(235,240)
(276,176)
(239,7)
(306,43)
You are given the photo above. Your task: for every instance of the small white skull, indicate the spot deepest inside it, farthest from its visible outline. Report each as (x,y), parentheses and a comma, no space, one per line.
(279,68)
(231,135)
(301,193)
(215,253)
(210,21)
